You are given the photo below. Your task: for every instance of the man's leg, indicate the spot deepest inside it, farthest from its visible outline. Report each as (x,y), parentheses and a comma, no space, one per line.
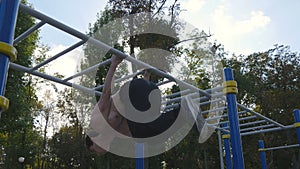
(156,127)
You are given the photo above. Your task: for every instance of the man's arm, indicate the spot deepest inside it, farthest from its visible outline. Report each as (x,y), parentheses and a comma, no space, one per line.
(147,74)
(104,102)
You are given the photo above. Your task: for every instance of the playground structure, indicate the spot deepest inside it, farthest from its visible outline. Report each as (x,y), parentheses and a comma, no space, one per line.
(262,150)
(239,120)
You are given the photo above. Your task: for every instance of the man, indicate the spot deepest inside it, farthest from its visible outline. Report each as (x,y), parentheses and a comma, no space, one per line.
(112,111)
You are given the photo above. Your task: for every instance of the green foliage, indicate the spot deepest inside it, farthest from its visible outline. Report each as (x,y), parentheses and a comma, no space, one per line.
(269,82)
(105,29)
(16,124)
(67,149)
(190,154)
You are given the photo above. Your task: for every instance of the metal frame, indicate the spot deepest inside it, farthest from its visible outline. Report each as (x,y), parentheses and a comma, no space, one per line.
(245,118)
(261,147)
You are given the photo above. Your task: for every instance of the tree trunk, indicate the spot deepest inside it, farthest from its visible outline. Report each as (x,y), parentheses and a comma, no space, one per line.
(45,138)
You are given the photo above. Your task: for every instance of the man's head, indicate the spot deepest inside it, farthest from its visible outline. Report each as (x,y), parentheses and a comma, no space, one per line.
(91,146)
(138,94)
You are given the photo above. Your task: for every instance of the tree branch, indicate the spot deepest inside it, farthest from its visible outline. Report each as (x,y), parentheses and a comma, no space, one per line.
(160,8)
(194,38)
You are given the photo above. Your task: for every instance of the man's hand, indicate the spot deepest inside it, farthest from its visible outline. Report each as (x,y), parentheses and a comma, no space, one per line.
(147,74)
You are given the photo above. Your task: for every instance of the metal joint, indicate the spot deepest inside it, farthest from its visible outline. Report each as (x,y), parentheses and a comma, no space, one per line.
(226,136)
(230,83)
(230,87)
(8,50)
(232,90)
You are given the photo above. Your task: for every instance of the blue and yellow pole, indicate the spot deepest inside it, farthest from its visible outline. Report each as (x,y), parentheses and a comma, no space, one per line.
(226,137)
(139,162)
(297,123)
(8,18)
(230,89)
(262,153)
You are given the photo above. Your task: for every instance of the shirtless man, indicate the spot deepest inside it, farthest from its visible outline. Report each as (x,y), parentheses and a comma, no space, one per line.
(109,106)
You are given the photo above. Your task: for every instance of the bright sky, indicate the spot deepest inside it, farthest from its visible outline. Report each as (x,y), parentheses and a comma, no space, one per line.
(243,26)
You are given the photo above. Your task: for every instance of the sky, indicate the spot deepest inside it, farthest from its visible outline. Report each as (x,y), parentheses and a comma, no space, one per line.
(242,26)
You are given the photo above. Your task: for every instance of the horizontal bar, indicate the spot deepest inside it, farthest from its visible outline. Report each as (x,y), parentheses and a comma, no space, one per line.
(187,92)
(28,32)
(268,130)
(105,47)
(280,147)
(92,68)
(214,118)
(242,112)
(145,65)
(248,118)
(163,82)
(215,89)
(127,77)
(54,79)
(183,92)
(221,129)
(59,55)
(259,115)
(252,123)
(118,80)
(53,22)
(240,119)
(257,127)
(176,105)
(177,99)
(213,110)
(211,101)
(205,98)
(217,95)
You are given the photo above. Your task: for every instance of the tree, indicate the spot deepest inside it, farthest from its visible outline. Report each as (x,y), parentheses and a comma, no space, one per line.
(17,123)
(147,27)
(67,146)
(269,82)
(122,23)
(198,62)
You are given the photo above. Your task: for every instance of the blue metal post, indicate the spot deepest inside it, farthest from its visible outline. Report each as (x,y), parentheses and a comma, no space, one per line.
(262,154)
(226,138)
(297,123)
(139,163)
(235,135)
(8,17)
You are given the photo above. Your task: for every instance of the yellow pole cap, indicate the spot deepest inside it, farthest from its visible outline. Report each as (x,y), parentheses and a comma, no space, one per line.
(9,50)
(226,136)
(296,125)
(230,83)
